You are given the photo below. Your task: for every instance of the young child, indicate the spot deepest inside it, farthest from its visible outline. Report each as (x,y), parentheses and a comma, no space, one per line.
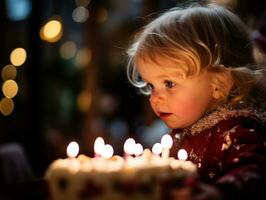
(197,65)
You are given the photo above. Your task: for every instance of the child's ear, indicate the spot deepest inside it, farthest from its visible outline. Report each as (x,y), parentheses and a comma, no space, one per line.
(217,93)
(222,84)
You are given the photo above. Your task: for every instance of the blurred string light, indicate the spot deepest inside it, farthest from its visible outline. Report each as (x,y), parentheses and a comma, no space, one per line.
(83,57)
(6,106)
(18,9)
(68,50)
(101,15)
(8,72)
(51,31)
(83,3)
(10,88)
(80,14)
(84,101)
(18,57)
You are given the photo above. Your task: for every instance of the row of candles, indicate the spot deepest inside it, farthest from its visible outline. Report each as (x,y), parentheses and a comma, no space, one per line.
(131,148)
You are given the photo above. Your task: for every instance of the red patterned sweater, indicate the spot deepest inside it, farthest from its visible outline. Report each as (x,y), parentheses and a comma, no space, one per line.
(229,148)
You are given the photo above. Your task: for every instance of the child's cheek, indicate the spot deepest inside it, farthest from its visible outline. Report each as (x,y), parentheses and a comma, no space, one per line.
(186,107)
(153,107)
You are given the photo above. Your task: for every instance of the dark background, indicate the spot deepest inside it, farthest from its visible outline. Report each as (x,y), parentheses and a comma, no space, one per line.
(60,100)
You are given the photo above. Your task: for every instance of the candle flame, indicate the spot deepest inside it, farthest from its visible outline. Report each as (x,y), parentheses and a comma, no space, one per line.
(167,141)
(108,151)
(182,154)
(138,149)
(99,145)
(72,149)
(129,146)
(157,148)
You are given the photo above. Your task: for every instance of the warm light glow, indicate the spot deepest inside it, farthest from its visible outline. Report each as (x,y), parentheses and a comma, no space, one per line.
(83,57)
(68,50)
(182,154)
(72,149)
(102,15)
(80,14)
(157,148)
(6,106)
(108,151)
(129,146)
(8,72)
(18,56)
(99,145)
(51,31)
(84,101)
(10,88)
(138,149)
(167,141)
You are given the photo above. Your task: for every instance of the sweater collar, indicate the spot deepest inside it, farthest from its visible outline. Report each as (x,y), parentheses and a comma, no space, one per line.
(217,115)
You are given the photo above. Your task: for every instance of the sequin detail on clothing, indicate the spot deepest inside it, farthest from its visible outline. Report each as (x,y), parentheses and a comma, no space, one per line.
(220,114)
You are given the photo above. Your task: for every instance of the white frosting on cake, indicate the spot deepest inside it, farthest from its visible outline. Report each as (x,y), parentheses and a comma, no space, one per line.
(114,178)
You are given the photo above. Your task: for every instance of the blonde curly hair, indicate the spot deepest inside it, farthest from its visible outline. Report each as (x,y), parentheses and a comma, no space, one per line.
(202,37)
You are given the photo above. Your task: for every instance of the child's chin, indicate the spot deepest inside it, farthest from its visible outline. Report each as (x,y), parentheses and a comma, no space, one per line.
(174,126)
(171,126)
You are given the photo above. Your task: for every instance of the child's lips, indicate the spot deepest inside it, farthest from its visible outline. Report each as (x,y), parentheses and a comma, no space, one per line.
(164,115)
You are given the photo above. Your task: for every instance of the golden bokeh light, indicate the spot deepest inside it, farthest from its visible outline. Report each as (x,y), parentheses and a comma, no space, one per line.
(8,72)
(10,88)
(68,50)
(52,31)
(6,106)
(102,15)
(84,101)
(83,57)
(18,56)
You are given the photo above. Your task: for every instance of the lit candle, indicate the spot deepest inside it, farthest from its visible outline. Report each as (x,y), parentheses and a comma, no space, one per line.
(157,149)
(98,146)
(182,154)
(138,149)
(107,152)
(72,152)
(129,147)
(167,143)
(72,149)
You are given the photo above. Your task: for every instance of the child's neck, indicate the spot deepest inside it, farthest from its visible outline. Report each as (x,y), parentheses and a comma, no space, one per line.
(221,112)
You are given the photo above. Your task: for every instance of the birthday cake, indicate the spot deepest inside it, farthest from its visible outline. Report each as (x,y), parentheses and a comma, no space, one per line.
(143,177)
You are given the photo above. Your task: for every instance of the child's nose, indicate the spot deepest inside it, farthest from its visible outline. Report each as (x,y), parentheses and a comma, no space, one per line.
(155,98)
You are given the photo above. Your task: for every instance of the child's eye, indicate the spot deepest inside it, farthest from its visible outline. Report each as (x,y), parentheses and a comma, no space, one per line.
(149,86)
(169,84)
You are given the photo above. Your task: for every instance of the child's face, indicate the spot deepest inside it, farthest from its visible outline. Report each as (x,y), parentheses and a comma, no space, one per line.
(178,101)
